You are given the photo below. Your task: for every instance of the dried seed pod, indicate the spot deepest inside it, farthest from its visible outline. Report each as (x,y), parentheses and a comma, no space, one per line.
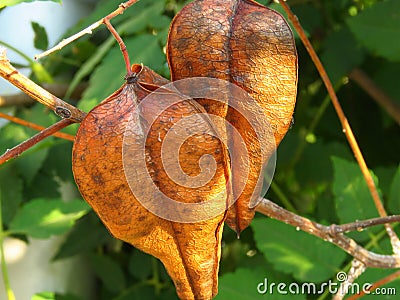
(122,138)
(251,46)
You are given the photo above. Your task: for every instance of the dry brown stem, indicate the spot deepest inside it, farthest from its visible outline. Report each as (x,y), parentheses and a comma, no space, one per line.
(17,150)
(345,124)
(61,108)
(377,284)
(16,120)
(332,235)
(357,268)
(121,46)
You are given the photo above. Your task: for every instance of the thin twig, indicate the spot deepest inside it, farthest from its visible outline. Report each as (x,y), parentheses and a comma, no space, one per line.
(121,46)
(69,40)
(360,225)
(16,120)
(370,259)
(89,29)
(61,108)
(357,268)
(17,150)
(377,284)
(345,125)
(376,93)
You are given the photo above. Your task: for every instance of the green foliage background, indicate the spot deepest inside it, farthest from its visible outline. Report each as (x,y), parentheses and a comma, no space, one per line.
(316,174)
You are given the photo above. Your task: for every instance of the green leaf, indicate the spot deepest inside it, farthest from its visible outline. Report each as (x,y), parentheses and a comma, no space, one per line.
(109,272)
(385,175)
(87,234)
(11,186)
(377,28)
(394,196)
(296,252)
(102,9)
(53,296)
(90,64)
(41,73)
(146,16)
(44,296)
(29,163)
(314,165)
(58,161)
(236,253)
(15,2)
(67,297)
(140,265)
(339,61)
(42,218)
(252,284)
(40,39)
(11,135)
(352,197)
(112,71)
(43,185)
(139,291)
(386,77)
(38,114)
(87,104)
(242,284)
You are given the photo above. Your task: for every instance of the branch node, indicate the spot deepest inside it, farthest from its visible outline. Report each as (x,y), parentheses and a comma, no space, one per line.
(334,230)
(63,112)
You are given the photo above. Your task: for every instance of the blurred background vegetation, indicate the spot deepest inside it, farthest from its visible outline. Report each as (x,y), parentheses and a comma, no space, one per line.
(316,174)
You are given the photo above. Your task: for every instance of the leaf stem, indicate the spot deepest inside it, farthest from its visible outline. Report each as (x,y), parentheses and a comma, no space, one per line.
(87,67)
(155,280)
(19,52)
(121,46)
(314,123)
(6,280)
